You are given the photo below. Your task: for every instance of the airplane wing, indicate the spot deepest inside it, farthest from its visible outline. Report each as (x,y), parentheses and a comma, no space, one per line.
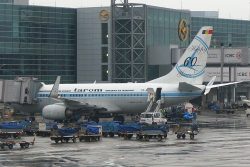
(186,87)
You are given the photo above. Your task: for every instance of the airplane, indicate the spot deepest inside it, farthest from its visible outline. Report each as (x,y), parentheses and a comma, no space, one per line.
(183,83)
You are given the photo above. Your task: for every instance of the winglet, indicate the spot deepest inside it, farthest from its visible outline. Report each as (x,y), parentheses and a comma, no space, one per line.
(55,88)
(211,82)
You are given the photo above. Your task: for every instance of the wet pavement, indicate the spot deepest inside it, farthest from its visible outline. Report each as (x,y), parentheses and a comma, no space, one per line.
(211,147)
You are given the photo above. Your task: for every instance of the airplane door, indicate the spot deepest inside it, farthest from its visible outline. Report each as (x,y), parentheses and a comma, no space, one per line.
(158,94)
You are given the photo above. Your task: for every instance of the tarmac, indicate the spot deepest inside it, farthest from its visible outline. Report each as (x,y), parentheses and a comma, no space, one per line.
(223,140)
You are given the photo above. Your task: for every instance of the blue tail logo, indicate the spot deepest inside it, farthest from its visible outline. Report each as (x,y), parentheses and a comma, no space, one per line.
(189,68)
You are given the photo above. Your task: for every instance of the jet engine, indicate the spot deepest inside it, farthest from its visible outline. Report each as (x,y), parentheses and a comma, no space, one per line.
(56,112)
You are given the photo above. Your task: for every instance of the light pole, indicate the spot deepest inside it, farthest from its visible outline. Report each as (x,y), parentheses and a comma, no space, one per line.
(221,72)
(2,104)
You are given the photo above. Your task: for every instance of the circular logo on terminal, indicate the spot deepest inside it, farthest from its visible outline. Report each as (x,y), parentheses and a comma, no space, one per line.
(104,15)
(183,30)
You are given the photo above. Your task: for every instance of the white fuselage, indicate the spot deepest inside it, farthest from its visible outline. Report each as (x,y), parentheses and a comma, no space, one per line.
(117,97)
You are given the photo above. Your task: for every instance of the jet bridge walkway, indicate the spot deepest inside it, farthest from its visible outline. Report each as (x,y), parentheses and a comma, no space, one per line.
(22,90)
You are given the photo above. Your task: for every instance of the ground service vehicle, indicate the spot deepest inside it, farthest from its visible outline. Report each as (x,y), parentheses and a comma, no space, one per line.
(152,118)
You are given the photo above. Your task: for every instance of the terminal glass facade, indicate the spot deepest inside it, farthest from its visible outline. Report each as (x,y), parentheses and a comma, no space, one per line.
(37,41)
(162,26)
(232,33)
(162,31)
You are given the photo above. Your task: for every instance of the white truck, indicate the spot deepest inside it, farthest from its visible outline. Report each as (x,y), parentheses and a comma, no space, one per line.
(152,118)
(242,101)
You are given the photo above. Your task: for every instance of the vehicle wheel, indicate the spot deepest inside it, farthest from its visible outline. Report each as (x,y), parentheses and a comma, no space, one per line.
(245,106)
(130,136)
(138,137)
(159,138)
(146,138)
(247,115)
(74,139)
(191,136)
(15,136)
(56,141)
(27,145)
(111,134)
(178,136)
(2,146)
(10,146)
(183,136)
(104,134)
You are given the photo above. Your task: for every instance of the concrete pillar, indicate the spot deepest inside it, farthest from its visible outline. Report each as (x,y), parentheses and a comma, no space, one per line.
(248,93)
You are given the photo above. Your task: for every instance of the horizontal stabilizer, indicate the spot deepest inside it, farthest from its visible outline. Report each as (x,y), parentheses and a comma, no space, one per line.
(185,87)
(219,85)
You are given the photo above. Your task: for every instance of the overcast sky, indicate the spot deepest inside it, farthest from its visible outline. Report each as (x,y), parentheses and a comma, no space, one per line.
(232,9)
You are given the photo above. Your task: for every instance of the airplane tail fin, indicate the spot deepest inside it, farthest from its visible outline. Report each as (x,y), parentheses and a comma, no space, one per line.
(191,66)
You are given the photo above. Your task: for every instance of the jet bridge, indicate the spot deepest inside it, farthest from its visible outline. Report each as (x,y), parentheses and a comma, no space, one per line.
(22,90)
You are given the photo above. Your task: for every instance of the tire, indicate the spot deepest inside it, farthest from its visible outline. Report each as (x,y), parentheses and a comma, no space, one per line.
(111,134)
(183,136)
(245,105)
(2,146)
(147,138)
(139,137)
(27,145)
(178,136)
(74,139)
(159,138)
(56,141)
(10,146)
(192,136)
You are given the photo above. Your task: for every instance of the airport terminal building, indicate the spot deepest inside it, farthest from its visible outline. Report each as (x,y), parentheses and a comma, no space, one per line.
(121,43)
(37,41)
